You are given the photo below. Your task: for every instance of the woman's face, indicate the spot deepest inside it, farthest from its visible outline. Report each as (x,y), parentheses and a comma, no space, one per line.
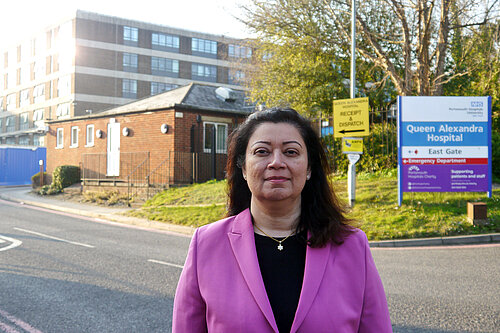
(276,165)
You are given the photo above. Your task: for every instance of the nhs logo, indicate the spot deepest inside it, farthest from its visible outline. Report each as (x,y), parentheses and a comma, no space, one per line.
(477,104)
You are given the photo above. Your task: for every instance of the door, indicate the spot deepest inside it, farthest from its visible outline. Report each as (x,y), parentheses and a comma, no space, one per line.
(113,158)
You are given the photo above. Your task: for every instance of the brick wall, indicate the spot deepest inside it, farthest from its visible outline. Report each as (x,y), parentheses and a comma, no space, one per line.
(144,136)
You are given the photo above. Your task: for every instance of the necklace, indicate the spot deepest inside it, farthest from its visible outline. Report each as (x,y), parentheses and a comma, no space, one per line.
(280,246)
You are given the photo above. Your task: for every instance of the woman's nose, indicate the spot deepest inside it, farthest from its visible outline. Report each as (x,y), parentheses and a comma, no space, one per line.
(277,160)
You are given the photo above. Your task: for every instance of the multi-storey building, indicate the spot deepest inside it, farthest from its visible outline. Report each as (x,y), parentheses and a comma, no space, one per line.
(90,63)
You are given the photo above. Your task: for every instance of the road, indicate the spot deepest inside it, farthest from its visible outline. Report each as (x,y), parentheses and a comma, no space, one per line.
(74,275)
(61,273)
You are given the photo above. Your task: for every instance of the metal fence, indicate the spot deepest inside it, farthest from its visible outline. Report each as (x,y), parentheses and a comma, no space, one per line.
(94,167)
(380,144)
(179,168)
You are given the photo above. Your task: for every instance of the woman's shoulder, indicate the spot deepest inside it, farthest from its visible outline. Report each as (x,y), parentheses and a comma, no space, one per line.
(356,237)
(229,224)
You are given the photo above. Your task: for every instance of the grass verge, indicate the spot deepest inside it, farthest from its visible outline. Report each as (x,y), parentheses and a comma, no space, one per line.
(376,209)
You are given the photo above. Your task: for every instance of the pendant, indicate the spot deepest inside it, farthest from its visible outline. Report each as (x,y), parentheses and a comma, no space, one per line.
(280,247)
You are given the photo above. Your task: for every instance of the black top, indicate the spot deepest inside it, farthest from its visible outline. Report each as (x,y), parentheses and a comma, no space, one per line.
(282,272)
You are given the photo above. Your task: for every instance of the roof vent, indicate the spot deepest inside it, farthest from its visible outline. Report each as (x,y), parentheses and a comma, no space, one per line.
(226,94)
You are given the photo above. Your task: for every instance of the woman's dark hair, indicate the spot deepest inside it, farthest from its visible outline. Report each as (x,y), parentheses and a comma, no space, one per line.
(322,213)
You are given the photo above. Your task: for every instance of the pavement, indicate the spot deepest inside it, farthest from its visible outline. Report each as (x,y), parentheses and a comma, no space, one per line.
(24,195)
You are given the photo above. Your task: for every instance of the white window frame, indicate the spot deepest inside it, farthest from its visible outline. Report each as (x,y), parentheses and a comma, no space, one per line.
(60,138)
(239,51)
(129,88)
(164,40)
(74,137)
(24,98)
(222,150)
(39,93)
(204,46)
(63,110)
(130,34)
(89,136)
(11,102)
(130,61)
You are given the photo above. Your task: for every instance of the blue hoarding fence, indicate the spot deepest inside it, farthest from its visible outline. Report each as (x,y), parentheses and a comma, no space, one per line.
(18,164)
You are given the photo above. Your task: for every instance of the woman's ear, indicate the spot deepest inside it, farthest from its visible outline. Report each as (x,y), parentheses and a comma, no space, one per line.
(308,175)
(244,173)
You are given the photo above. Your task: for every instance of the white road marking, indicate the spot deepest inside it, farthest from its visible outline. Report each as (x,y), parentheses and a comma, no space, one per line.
(25,326)
(55,238)
(165,263)
(15,243)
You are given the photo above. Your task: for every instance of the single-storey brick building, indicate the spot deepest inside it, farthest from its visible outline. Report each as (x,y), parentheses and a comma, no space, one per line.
(176,137)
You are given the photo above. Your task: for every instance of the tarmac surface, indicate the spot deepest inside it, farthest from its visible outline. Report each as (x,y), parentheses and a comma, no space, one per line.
(24,195)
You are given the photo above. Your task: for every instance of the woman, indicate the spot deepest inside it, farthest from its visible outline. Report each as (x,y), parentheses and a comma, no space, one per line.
(285,258)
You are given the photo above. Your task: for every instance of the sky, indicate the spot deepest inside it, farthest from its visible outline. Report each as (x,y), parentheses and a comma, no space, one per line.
(26,17)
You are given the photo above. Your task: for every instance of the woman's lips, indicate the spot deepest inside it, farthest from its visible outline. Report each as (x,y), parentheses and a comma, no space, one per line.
(276,179)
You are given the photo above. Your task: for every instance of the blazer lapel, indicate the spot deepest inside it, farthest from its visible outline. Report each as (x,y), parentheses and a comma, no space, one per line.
(242,242)
(316,261)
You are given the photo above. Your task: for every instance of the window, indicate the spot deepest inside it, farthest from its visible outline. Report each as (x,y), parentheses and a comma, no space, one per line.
(1,103)
(24,98)
(10,140)
(64,86)
(74,137)
(204,47)
(38,140)
(11,102)
(59,138)
(62,110)
(39,69)
(130,35)
(10,124)
(163,66)
(25,75)
(164,42)
(236,77)
(220,137)
(24,140)
(12,78)
(89,136)
(38,117)
(130,62)
(159,87)
(39,93)
(129,88)
(204,72)
(24,121)
(1,125)
(238,51)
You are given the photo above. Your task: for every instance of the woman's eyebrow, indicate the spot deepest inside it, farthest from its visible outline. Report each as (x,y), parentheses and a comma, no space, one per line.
(269,143)
(260,141)
(292,141)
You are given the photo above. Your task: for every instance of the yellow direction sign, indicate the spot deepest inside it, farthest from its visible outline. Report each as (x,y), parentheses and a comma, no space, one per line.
(352,145)
(350,117)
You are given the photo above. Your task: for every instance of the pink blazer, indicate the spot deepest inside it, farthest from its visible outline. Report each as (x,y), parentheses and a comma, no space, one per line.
(221,288)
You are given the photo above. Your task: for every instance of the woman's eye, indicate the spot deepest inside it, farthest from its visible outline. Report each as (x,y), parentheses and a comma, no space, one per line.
(260,152)
(291,152)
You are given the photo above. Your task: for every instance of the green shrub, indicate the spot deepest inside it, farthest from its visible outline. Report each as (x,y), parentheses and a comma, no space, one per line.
(49,190)
(35,179)
(379,151)
(65,175)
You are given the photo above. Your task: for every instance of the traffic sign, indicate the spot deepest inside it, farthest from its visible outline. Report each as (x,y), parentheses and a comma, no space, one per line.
(350,117)
(352,145)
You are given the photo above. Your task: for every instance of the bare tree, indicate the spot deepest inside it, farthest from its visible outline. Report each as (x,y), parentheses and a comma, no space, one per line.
(409,40)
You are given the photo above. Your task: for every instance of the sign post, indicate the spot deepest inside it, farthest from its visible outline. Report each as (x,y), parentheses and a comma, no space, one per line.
(444,144)
(351,119)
